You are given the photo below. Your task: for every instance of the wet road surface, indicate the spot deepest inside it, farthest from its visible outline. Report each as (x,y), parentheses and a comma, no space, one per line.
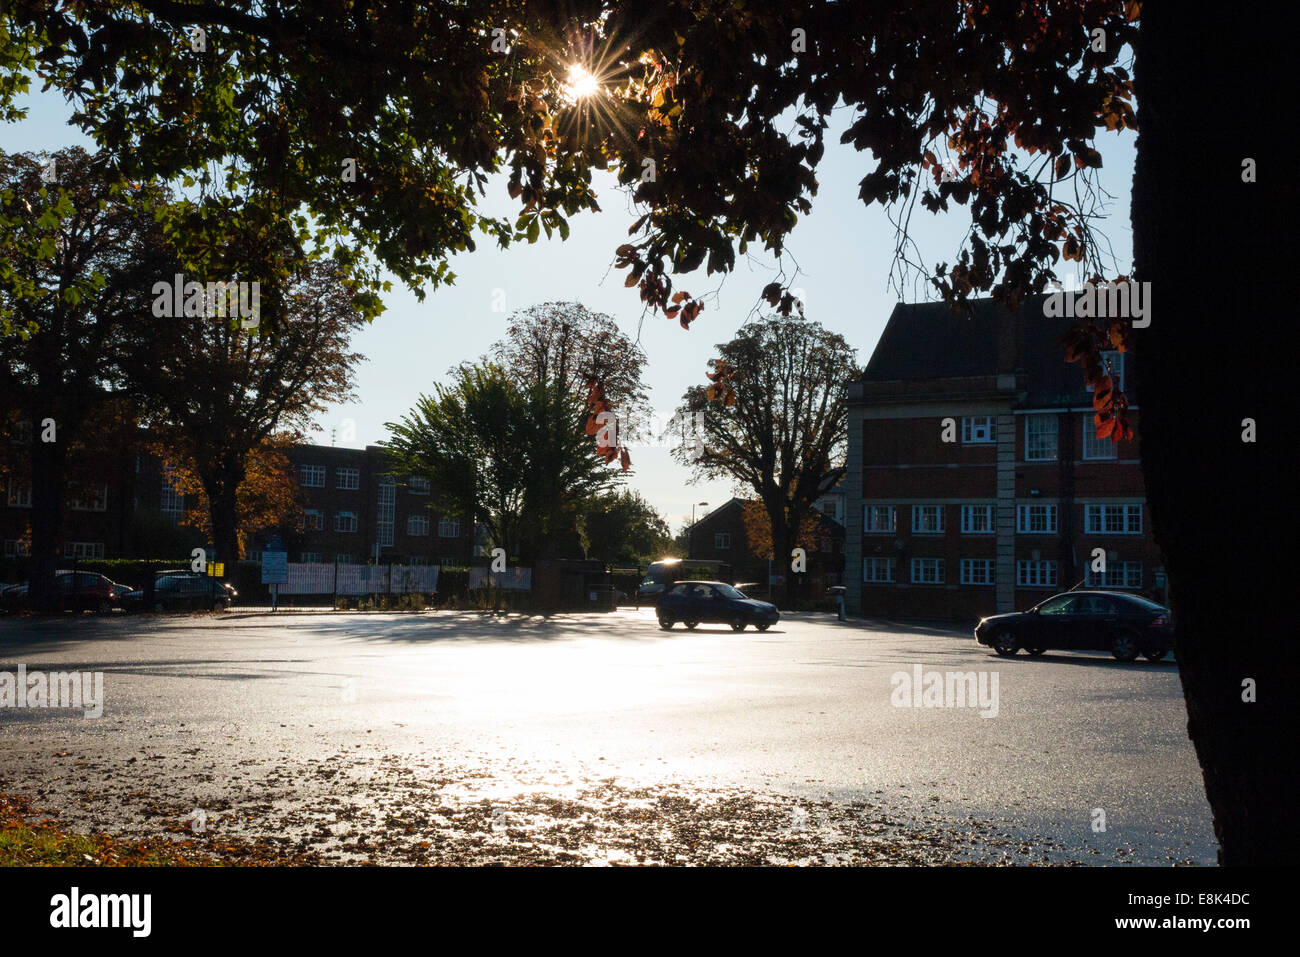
(458,738)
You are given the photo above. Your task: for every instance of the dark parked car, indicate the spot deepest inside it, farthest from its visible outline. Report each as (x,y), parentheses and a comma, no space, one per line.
(183,591)
(75,591)
(1123,624)
(692,602)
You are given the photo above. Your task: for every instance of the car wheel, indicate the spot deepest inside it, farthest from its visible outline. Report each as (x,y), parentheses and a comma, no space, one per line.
(763,626)
(666,624)
(104,607)
(1155,654)
(691,625)
(738,623)
(1006,644)
(1124,646)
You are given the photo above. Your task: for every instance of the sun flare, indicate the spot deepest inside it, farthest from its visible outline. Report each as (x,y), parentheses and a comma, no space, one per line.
(581,83)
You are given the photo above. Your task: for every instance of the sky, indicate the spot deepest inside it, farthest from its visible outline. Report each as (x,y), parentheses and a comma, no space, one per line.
(843,250)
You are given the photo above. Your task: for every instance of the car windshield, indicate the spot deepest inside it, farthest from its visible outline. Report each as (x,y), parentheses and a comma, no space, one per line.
(726,591)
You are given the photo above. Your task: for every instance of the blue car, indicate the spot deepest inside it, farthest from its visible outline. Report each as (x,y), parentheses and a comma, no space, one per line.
(693,602)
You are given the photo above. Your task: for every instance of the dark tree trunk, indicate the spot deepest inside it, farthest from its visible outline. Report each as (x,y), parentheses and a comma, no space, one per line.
(1209,245)
(49,463)
(783,538)
(222,489)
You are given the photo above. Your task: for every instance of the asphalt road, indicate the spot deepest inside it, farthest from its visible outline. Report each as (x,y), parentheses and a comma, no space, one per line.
(455,737)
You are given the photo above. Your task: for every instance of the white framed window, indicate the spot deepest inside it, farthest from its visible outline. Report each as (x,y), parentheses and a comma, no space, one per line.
(927,519)
(977,520)
(345,522)
(311,476)
(1040,438)
(979,429)
(1095,449)
(386,517)
(313,520)
(17,548)
(1036,574)
(417,525)
(449,528)
(89,498)
(878,570)
(347,479)
(879,519)
(310,558)
(343,558)
(419,485)
(927,571)
(1036,519)
(84,550)
(20,494)
(1112,519)
(1117,575)
(721,540)
(977,571)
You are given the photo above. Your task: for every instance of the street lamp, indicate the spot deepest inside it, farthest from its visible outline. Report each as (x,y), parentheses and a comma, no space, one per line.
(690,537)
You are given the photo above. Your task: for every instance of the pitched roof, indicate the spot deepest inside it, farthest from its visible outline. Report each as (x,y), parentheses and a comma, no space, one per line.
(927,340)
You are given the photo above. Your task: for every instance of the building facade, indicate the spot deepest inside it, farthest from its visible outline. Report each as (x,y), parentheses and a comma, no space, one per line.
(356,512)
(975,481)
(720,536)
(121,503)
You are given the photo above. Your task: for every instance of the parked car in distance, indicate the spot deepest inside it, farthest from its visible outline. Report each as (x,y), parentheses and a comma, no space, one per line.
(1123,624)
(693,602)
(75,591)
(183,591)
(659,575)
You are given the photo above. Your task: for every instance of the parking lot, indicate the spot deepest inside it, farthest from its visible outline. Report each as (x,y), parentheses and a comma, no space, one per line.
(590,738)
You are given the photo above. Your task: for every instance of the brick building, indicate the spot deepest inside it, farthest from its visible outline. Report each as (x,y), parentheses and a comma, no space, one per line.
(720,536)
(975,482)
(356,513)
(121,504)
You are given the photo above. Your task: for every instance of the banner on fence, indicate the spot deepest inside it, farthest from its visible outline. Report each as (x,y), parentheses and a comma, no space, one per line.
(520,578)
(326,579)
